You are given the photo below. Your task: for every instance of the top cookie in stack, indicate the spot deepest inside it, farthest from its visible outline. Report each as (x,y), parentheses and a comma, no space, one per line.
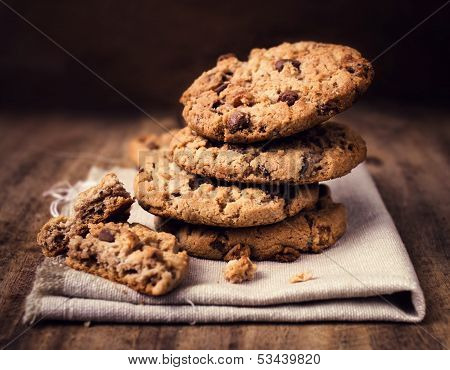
(276,93)
(254,150)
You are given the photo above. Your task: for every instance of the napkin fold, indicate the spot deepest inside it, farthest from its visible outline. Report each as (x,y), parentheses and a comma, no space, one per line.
(367,275)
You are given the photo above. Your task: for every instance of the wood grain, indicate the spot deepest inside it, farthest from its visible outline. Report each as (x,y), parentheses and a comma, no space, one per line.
(408,157)
(153,50)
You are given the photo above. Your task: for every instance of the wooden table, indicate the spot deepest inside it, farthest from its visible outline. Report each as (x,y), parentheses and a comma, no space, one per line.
(408,157)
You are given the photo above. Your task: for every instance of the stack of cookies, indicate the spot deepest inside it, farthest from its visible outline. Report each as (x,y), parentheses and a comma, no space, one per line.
(240,182)
(242,179)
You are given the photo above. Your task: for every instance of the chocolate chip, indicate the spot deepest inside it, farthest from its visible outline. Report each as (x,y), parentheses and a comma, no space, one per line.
(305,166)
(279,64)
(247,172)
(227,75)
(226,56)
(216,104)
(350,69)
(193,184)
(220,88)
(310,160)
(218,244)
(59,238)
(289,97)
(295,63)
(238,121)
(328,108)
(263,170)
(105,235)
(176,194)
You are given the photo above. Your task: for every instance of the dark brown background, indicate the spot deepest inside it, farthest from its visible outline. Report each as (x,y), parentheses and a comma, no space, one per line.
(151,50)
(57,120)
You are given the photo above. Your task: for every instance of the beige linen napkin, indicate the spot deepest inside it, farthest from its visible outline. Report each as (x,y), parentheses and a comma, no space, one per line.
(367,275)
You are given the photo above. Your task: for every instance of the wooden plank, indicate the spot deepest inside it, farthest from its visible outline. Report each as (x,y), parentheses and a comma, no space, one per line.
(408,157)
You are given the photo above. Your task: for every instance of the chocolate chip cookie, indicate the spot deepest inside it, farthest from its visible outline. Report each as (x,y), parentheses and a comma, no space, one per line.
(139,147)
(164,189)
(142,259)
(54,236)
(321,153)
(277,92)
(312,230)
(107,201)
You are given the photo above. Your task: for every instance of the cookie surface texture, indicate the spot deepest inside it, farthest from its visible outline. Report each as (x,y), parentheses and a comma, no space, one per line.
(322,153)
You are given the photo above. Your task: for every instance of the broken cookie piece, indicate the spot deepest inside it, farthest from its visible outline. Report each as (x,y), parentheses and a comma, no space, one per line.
(300,277)
(238,271)
(134,255)
(107,201)
(54,236)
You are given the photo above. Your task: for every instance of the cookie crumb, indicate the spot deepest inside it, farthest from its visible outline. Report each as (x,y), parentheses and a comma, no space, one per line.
(300,277)
(238,271)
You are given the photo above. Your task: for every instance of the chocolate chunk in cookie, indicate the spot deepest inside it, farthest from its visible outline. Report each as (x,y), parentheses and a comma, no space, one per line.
(105,235)
(238,121)
(289,97)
